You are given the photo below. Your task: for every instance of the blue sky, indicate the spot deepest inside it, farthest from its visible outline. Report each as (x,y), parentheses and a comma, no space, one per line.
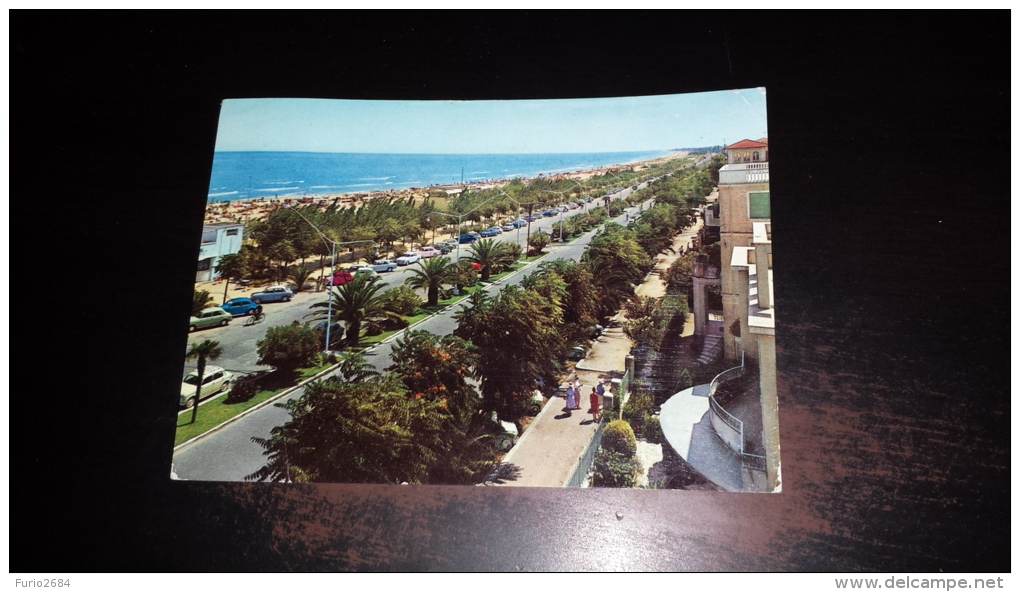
(657,122)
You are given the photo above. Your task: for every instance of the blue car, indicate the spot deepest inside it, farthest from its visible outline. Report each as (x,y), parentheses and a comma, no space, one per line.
(488,232)
(239,306)
(273,294)
(466,239)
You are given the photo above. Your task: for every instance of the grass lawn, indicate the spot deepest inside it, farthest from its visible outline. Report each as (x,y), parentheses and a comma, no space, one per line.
(213,413)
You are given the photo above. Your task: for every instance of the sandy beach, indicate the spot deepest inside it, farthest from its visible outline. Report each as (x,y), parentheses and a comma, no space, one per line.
(248,209)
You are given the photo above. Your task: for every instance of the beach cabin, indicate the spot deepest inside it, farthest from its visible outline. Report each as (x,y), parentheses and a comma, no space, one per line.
(217,240)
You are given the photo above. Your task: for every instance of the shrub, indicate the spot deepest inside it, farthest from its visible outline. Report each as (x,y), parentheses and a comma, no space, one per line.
(618,436)
(402,300)
(637,411)
(653,430)
(288,347)
(242,390)
(614,469)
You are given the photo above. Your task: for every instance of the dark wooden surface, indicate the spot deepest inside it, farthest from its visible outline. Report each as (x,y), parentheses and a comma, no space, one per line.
(890,175)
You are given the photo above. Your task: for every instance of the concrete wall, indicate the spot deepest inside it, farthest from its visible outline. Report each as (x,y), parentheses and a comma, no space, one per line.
(769,407)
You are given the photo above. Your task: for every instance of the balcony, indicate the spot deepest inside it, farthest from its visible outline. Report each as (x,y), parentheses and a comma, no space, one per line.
(751,172)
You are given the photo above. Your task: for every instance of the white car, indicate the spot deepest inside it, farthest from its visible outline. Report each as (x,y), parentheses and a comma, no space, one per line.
(215,380)
(382,265)
(366,271)
(408,259)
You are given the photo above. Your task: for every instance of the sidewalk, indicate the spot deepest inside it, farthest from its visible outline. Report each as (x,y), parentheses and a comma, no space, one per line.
(547,453)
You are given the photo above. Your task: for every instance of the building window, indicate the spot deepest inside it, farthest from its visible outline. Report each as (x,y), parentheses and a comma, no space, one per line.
(204,264)
(754,156)
(233,231)
(758,204)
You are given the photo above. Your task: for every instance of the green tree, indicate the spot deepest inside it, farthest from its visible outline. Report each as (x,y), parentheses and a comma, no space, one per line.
(616,262)
(300,275)
(518,340)
(200,301)
(489,254)
(232,266)
(437,368)
(207,350)
(288,347)
(357,303)
(580,305)
(538,241)
(355,431)
(431,275)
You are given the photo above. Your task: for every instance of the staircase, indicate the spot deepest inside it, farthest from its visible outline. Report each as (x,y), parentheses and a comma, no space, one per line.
(712,348)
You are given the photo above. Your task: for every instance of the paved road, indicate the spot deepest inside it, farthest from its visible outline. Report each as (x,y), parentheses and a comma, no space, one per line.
(230,455)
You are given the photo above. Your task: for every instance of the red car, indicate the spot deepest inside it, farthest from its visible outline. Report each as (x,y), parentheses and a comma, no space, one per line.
(339,278)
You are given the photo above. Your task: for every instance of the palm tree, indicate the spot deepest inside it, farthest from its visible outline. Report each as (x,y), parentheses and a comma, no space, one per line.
(201,300)
(300,275)
(232,266)
(207,350)
(489,254)
(357,302)
(431,274)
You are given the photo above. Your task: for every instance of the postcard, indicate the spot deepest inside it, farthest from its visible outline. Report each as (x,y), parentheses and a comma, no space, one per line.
(538,293)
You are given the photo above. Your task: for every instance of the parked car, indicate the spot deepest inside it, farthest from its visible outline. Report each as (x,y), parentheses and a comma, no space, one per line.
(273,294)
(519,223)
(215,380)
(466,239)
(504,433)
(576,353)
(339,278)
(536,402)
(450,242)
(550,213)
(240,306)
(507,227)
(210,317)
(428,252)
(445,248)
(408,259)
(366,270)
(336,334)
(382,265)
(489,232)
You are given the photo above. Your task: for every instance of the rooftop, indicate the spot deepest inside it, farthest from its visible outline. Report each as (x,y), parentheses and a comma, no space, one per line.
(763,143)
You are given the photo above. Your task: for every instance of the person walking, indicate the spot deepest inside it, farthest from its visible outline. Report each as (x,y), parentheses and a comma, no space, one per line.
(593,398)
(571,399)
(577,392)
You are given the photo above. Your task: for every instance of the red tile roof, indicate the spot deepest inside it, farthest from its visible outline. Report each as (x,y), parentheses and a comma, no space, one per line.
(748,144)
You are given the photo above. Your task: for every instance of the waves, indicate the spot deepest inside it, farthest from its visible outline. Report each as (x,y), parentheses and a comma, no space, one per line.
(238,175)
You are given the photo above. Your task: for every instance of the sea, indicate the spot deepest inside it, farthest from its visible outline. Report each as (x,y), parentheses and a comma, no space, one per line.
(252,175)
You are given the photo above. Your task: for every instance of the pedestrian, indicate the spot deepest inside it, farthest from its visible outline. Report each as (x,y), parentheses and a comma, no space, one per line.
(577,391)
(571,399)
(593,398)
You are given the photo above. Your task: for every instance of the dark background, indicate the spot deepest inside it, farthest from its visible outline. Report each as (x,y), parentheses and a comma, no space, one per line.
(889,137)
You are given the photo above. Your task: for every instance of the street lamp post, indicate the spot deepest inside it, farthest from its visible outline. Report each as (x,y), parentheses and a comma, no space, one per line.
(527,233)
(329,293)
(561,211)
(459,218)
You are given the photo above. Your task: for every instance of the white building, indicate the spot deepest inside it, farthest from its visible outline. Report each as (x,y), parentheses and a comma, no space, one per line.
(217,240)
